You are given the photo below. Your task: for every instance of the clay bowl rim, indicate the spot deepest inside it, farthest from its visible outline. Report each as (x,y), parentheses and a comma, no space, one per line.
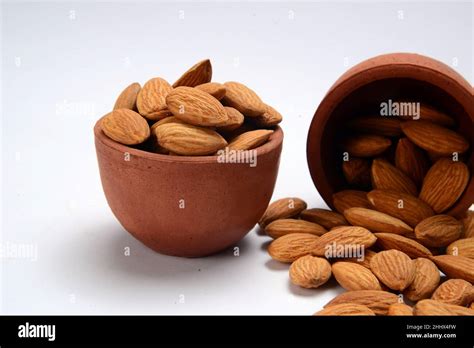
(349,82)
(275,140)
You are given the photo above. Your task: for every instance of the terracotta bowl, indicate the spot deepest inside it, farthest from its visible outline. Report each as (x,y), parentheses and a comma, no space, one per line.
(391,76)
(186,206)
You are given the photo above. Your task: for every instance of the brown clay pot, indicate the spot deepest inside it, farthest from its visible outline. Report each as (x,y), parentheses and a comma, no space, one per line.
(222,201)
(391,76)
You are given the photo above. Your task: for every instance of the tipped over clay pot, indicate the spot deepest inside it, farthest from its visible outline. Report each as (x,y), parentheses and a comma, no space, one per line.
(391,76)
(186,206)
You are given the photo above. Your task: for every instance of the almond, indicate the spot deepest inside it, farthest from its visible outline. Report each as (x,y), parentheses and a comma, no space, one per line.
(444,184)
(346,199)
(379,125)
(125,126)
(352,276)
(234,120)
(345,309)
(196,107)
(217,90)
(243,99)
(388,177)
(377,300)
(462,247)
(198,74)
(250,140)
(425,282)
(455,291)
(188,140)
(400,309)
(365,145)
(455,266)
(151,100)
(282,209)
(468,223)
(434,138)
(430,114)
(128,98)
(393,268)
(363,261)
(410,247)
(376,221)
(282,227)
(401,205)
(269,118)
(438,231)
(357,171)
(411,160)
(347,238)
(323,217)
(432,307)
(290,247)
(310,272)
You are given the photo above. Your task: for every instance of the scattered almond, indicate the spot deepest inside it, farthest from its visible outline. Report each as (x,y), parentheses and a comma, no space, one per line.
(282,209)
(425,282)
(455,291)
(326,218)
(409,246)
(393,268)
(346,238)
(462,247)
(376,221)
(310,272)
(346,199)
(455,266)
(352,276)
(345,309)
(377,300)
(282,227)
(290,247)
(432,307)
(400,309)
(438,231)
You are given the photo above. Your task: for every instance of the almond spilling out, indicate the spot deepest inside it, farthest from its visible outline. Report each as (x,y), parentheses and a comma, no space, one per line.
(393,268)
(125,126)
(432,307)
(352,276)
(409,246)
(282,227)
(425,282)
(384,126)
(468,223)
(455,266)
(198,74)
(365,145)
(438,231)
(386,176)
(357,171)
(282,209)
(431,114)
(290,247)
(343,240)
(376,221)
(411,160)
(310,272)
(323,217)
(346,199)
(128,98)
(346,309)
(377,300)
(455,291)
(400,309)
(462,247)
(444,184)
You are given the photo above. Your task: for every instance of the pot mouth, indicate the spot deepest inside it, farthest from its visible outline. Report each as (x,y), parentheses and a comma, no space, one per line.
(274,141)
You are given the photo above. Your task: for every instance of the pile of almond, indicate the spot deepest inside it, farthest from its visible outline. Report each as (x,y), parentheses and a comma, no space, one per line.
(192,117)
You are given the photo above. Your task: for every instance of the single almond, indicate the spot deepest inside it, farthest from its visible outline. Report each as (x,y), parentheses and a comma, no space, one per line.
(310,272)
(282,227)
(352,276)
(411,160)
(235,119)
(468,223)
(425,282)
(217,90)
(357,171)
(455,291)
(348,238)
(291,247)
(400,309)
(243,99)
(250,140)
(432,307)
(326,218)
(346,309)
(376,221)
(282,209)
(444,184)
(377,300)
(462,247)
(379,125)
(125,126)
(346,199)
(128,98)
(407,245)
(401,205)
(438,231)
(393,268)
(434,138)
(188,140)
(269,118)
(151,100)
(196,107)
(455,266)
(366,145)
(198,74)
(385,176)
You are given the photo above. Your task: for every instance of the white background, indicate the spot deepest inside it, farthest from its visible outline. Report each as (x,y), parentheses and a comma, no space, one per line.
(63,64)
